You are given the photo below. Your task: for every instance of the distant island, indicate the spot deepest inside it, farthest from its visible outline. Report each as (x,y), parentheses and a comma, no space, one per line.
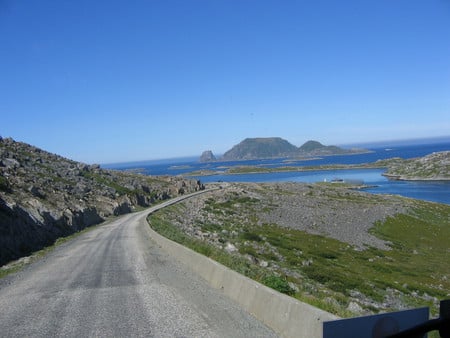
(276,147)
(207,156)
(432,167)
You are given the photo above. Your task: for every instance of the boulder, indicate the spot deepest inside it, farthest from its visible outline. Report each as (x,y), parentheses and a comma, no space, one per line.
(10,163)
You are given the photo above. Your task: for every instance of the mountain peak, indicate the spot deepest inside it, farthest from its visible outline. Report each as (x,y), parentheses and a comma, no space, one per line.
(311,145)
(207,156)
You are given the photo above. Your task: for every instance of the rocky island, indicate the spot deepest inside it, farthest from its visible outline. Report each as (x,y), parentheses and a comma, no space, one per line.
(207,156)
(276,147)
(258,148)
(45,196)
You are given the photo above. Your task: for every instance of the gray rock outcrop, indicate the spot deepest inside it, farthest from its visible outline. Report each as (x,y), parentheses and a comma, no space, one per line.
(44,196)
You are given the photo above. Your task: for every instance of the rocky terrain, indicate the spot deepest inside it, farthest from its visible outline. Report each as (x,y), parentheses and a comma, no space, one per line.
(344,250)
(339,213)
(433,167)
(45,196)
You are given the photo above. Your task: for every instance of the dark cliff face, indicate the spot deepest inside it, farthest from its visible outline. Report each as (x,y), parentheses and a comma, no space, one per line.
(44,196)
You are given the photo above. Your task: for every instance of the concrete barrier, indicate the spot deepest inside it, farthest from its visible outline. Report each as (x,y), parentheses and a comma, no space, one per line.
(285,315)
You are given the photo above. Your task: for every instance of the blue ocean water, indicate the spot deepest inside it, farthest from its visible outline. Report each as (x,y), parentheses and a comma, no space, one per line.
(430,191)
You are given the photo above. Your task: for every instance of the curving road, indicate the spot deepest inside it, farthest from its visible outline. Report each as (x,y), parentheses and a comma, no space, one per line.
(115,282)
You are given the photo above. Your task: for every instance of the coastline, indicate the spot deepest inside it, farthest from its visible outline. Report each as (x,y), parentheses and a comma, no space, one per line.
(238,170)
(243,170)
(396,169)
(394,177)
(287,159)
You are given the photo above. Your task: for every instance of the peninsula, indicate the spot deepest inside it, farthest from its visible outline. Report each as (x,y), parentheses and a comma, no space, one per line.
(433,167)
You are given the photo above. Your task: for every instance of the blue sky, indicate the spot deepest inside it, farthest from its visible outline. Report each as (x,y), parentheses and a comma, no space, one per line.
(113,81)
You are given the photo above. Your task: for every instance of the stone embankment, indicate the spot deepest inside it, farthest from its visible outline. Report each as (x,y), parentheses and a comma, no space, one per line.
(45,196)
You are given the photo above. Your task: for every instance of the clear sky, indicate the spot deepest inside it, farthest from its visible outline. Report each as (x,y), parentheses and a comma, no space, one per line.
(114,81)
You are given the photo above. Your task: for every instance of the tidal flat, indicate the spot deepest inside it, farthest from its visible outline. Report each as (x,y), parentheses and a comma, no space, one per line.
(347,252)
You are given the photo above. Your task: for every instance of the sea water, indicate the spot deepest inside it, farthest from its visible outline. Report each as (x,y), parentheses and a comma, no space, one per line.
(431,191)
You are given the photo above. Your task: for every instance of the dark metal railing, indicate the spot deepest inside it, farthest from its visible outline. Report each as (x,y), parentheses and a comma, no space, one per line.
(441,324)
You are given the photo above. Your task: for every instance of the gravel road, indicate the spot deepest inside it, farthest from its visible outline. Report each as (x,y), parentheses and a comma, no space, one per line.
(115,282)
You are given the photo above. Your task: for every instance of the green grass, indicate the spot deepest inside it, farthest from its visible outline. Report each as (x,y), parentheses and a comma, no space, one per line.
(417,266)
(235,262)
(418,261)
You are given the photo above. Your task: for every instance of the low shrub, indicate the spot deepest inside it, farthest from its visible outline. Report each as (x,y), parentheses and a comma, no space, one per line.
(278,283)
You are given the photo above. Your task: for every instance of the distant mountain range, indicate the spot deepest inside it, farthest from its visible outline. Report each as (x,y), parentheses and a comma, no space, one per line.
(276,147)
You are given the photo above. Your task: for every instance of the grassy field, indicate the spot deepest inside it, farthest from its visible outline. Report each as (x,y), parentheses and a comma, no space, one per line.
(323,271)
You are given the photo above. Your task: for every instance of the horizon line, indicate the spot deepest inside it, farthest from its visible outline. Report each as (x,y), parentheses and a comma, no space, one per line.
(442,138)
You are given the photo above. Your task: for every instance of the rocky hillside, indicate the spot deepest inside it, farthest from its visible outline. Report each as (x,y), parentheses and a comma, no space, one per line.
(435,166)
(276,147)
(45,196)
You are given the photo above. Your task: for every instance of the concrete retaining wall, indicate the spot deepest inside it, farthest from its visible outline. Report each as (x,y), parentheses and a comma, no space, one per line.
(285,315)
